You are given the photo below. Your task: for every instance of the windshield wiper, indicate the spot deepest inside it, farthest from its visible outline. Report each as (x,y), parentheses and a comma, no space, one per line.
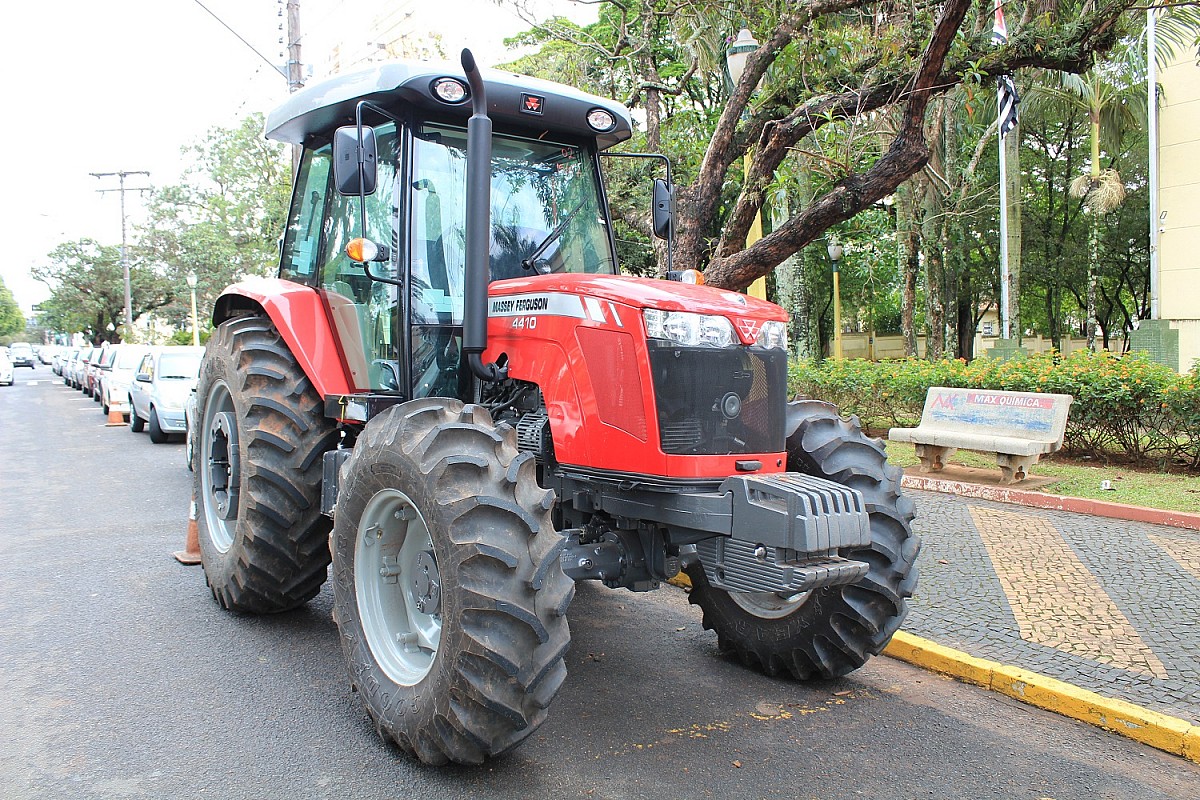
(552,237)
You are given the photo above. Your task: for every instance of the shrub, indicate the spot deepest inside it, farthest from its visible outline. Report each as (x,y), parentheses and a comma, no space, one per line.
(1125,407)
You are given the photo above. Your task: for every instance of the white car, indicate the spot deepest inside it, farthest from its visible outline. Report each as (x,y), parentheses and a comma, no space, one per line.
(6,370)
(161,386)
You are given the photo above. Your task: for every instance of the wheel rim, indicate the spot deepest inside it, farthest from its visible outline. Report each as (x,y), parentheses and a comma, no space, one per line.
(397,586)
(220,475)
(769,605)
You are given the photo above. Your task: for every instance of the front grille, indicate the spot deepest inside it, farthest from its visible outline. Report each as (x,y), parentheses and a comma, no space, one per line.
(714,401)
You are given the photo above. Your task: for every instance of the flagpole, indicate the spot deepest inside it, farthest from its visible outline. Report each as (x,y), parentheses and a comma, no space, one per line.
(1000,37)
(1004,313)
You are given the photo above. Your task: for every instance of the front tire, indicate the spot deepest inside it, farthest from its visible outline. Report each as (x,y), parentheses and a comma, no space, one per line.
(157,434)
(826,633)
(447,587)
(261,435)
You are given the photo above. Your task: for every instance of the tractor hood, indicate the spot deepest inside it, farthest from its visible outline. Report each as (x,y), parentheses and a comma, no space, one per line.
(645,293)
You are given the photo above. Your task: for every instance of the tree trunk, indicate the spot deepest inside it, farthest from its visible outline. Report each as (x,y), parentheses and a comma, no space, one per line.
(931,251)
(909,263)
(1092,277)
(1012,154)
(793,286)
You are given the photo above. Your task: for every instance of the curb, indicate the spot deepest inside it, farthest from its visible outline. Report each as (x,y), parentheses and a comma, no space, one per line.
(1099,508)
(1163,732)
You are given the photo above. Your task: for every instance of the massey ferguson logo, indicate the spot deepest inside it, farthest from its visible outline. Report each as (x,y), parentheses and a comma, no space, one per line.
(532,104)
(748,328)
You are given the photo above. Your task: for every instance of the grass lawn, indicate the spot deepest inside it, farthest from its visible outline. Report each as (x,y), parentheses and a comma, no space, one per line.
(1076,479)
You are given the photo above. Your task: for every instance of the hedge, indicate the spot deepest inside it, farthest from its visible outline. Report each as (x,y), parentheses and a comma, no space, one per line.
(1126,408)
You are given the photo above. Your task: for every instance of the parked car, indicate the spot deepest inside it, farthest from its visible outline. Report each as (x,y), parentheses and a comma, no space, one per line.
(117,370)
(60,356)
(71,371)
(21,354)
(164,380)
(92,371)
(189,422)
(6,370)
(46,354)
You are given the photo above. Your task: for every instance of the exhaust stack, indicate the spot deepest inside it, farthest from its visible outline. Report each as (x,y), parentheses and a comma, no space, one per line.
(479,226)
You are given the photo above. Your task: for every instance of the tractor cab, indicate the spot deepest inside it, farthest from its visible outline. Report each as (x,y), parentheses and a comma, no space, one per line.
(398,309)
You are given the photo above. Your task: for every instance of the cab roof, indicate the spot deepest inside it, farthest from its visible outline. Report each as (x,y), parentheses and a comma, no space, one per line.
(315,111)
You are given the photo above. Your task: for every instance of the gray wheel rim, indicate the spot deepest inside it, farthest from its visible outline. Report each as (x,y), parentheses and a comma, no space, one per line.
(769,605)
(220,531)
(397,587)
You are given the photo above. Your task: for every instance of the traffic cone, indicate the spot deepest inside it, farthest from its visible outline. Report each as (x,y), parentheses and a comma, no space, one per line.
(190,555)
(115,418)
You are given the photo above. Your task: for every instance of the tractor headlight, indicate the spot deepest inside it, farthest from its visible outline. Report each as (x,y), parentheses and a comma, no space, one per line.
(689,330)
(773,334)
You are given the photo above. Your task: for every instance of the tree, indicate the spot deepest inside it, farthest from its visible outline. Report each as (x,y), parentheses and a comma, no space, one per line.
(827,64)
(1111,105)
(87,290)
(224,221)
(11,318)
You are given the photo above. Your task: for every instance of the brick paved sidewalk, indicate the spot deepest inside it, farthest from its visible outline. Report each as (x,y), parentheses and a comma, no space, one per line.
(1108,605)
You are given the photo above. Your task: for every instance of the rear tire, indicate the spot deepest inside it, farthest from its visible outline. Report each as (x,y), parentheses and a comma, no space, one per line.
(262,431)
(157,434)
(136,423)
(468,671)
(828,632)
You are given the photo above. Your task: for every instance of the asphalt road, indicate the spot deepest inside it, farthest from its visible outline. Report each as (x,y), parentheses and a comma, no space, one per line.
(122,678)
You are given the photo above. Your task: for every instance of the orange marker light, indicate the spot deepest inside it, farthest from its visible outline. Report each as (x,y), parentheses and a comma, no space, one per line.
(692,276)
(362,250)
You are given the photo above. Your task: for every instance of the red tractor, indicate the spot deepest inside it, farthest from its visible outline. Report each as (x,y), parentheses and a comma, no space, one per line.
(451,390)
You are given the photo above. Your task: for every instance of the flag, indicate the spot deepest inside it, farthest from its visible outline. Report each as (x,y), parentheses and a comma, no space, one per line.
(1006,93)
(999,29)
(1006,90)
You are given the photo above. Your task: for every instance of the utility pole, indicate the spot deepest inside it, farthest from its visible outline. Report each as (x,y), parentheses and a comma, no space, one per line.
(295,69)
(121,175)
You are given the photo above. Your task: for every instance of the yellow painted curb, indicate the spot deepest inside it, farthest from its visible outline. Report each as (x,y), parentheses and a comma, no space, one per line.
(1163,732)
(1170,734)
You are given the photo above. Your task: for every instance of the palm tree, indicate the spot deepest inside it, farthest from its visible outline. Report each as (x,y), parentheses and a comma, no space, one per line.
(1114,104)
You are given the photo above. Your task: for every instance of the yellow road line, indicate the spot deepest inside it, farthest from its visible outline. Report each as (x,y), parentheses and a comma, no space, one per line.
(1056,600)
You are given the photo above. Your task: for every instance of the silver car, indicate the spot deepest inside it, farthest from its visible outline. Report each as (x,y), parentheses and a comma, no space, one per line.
(161,386)
(117,371)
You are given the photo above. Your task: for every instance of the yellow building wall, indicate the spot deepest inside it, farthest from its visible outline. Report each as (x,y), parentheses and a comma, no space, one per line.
(1179,197)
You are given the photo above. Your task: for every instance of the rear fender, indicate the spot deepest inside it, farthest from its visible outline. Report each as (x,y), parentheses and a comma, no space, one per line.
(299,315)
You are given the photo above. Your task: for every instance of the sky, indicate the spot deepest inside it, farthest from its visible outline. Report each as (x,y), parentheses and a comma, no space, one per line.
(125,84)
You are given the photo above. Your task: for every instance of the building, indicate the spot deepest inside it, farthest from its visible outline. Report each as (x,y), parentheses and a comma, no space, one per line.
(1174,337)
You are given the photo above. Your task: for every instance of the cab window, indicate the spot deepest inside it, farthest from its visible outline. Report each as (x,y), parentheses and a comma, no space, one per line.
(300,240)
(364,310)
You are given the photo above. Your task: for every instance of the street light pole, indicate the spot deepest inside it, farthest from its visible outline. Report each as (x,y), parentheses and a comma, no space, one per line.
(835,251)
(735,60)
(191,282)
(121,175)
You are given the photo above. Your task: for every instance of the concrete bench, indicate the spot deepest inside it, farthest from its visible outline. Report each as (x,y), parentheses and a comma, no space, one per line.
(1017,426)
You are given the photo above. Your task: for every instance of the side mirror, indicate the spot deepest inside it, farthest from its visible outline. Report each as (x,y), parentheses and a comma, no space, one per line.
(664,209)
(346,163)
(142,377)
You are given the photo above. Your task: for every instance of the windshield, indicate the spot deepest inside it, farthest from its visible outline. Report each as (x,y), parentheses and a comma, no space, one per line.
(537,186)
(129,359)
(178,365)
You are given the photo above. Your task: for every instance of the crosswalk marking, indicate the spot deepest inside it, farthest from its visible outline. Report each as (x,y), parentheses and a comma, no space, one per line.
(1056,600)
